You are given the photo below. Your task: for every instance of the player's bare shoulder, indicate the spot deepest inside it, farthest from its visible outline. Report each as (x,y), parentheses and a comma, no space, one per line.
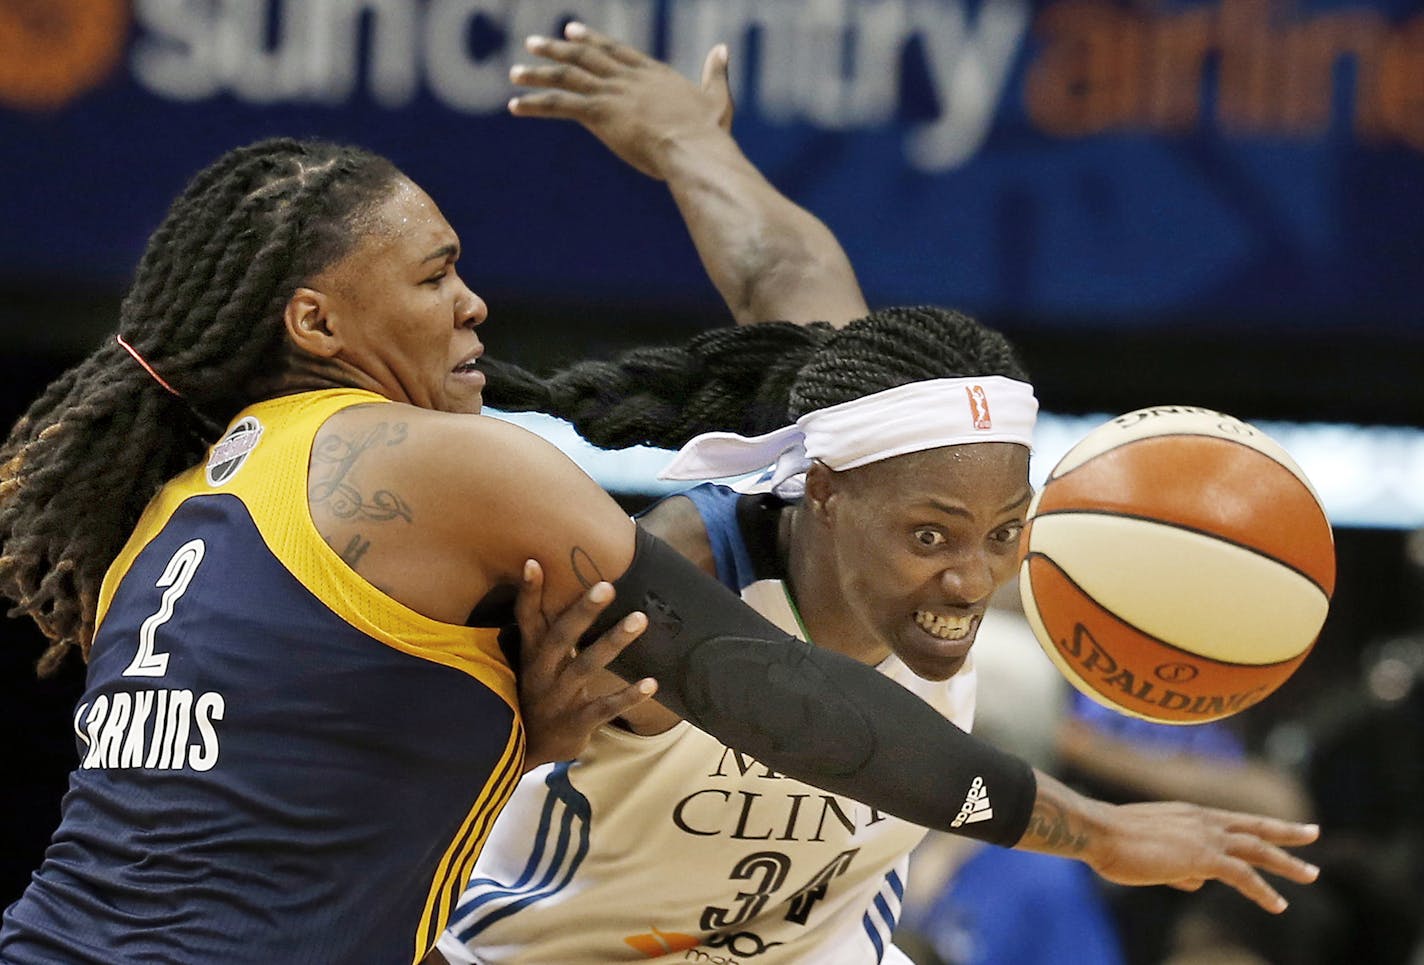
(419,449)
(393,489)
(676,521)
(349,475)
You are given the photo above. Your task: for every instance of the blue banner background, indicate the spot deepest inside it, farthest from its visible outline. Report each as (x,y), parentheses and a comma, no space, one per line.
(1140,223)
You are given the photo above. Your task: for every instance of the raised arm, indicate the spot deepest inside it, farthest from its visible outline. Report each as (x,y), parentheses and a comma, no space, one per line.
(769,258)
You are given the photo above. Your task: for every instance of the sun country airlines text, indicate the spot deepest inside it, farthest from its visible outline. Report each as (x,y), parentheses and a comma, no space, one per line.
(1247,67)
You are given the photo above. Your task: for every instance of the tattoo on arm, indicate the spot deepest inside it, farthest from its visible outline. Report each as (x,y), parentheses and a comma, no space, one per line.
(1050,824)
(585,569)
(331,486)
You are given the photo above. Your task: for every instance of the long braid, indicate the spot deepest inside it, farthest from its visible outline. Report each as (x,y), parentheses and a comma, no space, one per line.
(205,311)
(753,378)
(730,378)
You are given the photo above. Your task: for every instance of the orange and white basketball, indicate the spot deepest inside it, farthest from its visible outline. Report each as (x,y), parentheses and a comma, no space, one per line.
(1178,565)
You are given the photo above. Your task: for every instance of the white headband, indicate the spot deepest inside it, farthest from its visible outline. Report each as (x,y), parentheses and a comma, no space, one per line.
(907,418)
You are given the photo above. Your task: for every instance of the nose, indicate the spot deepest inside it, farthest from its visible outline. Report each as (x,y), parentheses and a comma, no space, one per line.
(470,310)
(971,580)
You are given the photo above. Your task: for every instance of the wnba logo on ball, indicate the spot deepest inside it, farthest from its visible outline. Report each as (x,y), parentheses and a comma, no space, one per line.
(51,51)
(1175,673)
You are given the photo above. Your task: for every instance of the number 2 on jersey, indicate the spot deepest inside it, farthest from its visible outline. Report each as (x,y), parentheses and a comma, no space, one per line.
(174,583)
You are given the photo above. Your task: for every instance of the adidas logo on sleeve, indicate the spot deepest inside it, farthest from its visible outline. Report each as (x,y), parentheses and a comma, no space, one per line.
(976,806)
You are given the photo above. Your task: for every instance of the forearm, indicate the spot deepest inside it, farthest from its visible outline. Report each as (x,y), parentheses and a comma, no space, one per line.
(770,258)
(808,712)
(1063,822)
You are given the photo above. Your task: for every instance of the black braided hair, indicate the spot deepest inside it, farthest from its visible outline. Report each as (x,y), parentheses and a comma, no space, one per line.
(205,311)
(753,378)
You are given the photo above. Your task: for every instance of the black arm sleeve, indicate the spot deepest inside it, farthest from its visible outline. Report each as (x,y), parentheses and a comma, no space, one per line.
(810,713)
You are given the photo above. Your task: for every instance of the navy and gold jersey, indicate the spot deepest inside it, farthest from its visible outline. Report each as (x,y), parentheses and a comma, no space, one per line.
(278,762)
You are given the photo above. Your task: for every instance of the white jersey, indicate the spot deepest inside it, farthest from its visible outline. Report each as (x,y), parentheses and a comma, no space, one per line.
(677,847)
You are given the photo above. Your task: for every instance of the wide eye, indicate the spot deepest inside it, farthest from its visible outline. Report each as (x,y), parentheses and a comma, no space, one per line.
(929,536)
(1009,533)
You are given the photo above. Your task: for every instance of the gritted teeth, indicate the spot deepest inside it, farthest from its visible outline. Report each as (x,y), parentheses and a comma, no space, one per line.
(946,628)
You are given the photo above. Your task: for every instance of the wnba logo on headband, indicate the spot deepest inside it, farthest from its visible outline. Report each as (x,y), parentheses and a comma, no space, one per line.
(979,407)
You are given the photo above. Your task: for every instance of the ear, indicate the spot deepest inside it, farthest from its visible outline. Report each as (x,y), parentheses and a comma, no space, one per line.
(821,489)
(308,325)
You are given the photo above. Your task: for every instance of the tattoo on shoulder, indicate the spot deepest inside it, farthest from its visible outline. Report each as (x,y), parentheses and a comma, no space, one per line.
(331,486)
(1051,825)
(356,548)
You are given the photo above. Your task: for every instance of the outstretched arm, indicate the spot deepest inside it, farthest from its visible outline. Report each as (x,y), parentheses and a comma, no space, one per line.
(724,675)
(769,258)
(1168,842)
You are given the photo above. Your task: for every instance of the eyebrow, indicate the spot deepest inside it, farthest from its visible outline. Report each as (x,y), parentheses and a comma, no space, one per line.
(443,252)
(952,510)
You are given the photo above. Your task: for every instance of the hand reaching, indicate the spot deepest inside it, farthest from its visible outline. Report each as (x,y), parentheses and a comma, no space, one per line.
(637,106)
(1170,843)
(563,692)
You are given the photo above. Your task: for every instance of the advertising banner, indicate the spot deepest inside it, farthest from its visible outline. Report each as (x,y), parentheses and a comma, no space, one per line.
(1057,162)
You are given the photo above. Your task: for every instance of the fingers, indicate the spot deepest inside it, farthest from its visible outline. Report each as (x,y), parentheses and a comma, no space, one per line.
(578,72)
(597,656)
(715,83)
(598,712)
(714,70)
(1269,857)
(602,651)
(585,56)
(560,76)
(610,48)
(528,605)
(549,103)
(551,649)
(573,623)
(1286,833)
(1248,852)
(582,60)
(1247,880)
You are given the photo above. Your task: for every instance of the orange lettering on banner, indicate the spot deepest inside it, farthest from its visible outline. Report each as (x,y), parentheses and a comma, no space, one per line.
(1401,85)
(1085,79)
(1177,50)
(51,51)
(1102,67)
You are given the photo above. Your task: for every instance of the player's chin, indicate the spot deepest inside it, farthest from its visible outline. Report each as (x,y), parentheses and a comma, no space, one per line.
(934,662)
(933,658)
(940,669)
(463,400)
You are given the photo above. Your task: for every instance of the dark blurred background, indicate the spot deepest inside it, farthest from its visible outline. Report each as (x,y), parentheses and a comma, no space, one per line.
(1214,202)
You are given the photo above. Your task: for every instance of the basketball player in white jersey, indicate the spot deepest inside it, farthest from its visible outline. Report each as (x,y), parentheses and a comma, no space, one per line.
(880,534)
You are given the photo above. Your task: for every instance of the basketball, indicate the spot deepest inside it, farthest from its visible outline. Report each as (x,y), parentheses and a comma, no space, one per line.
(1177,565)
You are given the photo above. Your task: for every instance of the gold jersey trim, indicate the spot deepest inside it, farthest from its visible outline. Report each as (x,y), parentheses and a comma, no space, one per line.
(458,862)
(271,483)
